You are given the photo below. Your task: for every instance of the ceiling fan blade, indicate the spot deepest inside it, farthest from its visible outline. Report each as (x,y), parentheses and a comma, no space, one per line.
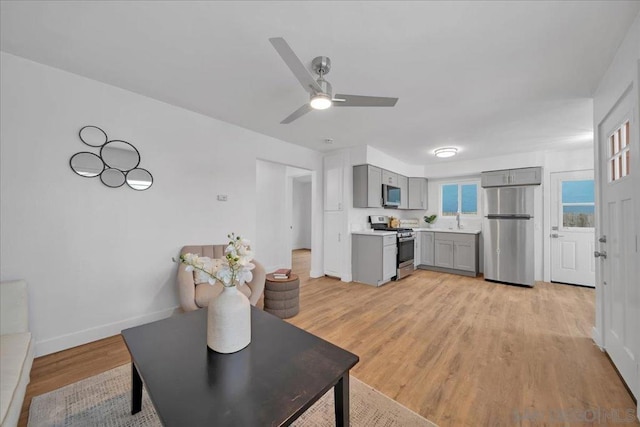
(295,65)
(297,114)
(342,100)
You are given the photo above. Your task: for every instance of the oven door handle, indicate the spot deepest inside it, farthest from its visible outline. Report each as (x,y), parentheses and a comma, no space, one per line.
(406,239)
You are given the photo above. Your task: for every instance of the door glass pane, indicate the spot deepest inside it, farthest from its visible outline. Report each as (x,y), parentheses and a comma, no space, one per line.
(449,199)
(578,191)
(578,216)
(470,199)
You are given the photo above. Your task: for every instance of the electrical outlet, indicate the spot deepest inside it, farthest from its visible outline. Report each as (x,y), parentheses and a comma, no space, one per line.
(222,197)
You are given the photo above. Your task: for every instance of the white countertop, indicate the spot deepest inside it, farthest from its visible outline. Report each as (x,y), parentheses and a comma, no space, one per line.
(449,230)
(375,233)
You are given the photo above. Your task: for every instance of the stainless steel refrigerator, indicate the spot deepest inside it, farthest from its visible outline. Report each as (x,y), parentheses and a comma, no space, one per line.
(508,234)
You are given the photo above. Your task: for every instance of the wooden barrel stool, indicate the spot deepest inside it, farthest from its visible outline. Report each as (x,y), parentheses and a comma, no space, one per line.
(282,296)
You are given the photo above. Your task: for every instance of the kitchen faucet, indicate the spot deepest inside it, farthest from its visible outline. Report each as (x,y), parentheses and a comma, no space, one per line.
(458,220)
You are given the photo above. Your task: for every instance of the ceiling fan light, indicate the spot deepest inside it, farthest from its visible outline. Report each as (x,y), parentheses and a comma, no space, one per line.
(445,152)
(320,102)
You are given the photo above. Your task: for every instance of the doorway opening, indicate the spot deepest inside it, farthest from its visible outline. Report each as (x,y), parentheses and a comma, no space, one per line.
(284,207)
(300,224)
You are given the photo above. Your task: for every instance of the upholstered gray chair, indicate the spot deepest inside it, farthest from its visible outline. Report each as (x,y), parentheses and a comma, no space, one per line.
(194,296)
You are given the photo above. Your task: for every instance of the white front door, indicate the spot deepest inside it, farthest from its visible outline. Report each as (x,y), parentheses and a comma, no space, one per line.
(572,228)
(618,144)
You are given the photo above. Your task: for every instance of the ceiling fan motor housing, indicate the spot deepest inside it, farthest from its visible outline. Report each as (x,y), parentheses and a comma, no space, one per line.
(321,65)
(326,88)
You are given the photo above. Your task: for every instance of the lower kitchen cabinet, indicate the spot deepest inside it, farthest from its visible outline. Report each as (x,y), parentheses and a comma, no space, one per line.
(443,253)
(465,256)
(373,258)
(426,247)
(449,252)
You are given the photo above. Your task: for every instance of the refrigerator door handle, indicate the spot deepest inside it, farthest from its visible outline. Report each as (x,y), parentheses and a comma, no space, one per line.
(509,216)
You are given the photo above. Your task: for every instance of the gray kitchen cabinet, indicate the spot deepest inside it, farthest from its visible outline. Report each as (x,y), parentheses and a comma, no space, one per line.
(526,176)
(418,193)
(506,177)
(367,186)
(389,262)
(427,247)
(494,178)
(443,253)
(449,252)
(464,255)
(390,178)
(403,185)
(373,258)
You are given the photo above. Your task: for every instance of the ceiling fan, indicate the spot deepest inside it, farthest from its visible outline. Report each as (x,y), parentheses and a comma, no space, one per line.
(319,89)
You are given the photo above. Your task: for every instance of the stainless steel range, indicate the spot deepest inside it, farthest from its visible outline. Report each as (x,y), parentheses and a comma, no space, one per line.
(405,241)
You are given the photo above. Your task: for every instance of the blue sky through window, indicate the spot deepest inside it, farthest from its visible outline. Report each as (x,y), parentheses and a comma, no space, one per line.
(469,199)
(449,199)
(464,196)
(578,191)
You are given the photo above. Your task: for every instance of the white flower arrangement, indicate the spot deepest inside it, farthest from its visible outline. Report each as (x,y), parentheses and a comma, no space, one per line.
(234,269)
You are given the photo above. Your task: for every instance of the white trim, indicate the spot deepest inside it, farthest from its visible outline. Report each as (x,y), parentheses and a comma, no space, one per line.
(74,339)
(597,338)
(314,274)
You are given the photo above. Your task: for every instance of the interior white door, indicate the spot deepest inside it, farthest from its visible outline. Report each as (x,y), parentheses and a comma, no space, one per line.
(618,143)
(572,228)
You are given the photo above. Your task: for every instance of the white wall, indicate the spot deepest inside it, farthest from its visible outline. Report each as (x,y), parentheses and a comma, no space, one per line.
(98,259)
(624,72)
(301,215)
(271,213)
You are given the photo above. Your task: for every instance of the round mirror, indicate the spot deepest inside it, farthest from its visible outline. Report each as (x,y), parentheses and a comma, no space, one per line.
(112,178)
(93,136)
(139,179)
(120,155)
(86,164)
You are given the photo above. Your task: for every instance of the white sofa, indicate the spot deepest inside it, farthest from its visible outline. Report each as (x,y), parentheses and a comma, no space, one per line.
(16,350)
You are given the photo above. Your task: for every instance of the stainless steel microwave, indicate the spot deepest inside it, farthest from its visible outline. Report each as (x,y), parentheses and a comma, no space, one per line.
(390,196)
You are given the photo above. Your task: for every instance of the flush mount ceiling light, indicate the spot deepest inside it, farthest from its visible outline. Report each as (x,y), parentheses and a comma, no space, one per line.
(446,152)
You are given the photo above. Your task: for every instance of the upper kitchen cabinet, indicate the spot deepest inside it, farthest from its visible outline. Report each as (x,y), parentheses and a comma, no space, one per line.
(390,178)
(417,193)
(333,182)
(403,185)
(506,177)
(367,186)
(526,176)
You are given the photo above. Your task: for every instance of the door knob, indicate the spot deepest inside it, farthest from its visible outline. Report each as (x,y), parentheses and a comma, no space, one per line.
(600,254)
(602,239)
(556,235)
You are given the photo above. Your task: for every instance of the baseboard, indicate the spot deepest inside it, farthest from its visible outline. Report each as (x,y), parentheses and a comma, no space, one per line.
(347,278)
(74,339)
(597,338)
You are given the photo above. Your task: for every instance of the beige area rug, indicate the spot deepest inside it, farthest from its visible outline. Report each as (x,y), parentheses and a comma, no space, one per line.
(105,399)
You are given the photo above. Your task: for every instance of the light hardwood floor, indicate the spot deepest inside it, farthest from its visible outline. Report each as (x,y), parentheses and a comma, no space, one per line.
(459,351)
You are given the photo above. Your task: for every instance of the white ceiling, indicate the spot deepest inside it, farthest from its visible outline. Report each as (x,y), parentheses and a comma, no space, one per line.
(487,77)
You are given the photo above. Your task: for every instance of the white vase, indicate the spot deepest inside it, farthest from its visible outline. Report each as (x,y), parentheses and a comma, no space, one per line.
(229,321)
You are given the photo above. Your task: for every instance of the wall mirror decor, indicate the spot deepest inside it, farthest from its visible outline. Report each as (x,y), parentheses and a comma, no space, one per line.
(116,163)
(139,179)
(112,178)
(93,136)
(86,164)
(120,155)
